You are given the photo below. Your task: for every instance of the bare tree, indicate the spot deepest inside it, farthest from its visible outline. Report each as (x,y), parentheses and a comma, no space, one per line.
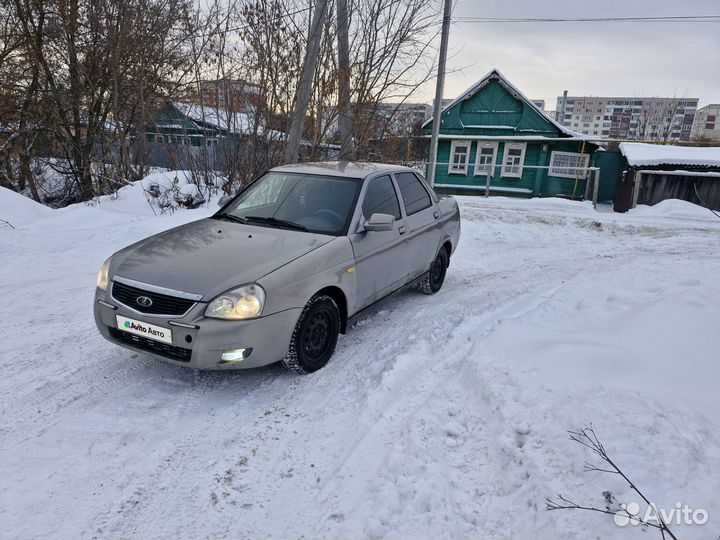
(657,119)
(83,83)
(344,75)
(304,86)
(19,111)
(392,49)
(99,64)
(272,41)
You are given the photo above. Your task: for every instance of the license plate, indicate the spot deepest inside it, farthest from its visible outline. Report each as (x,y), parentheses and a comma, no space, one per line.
(139,328)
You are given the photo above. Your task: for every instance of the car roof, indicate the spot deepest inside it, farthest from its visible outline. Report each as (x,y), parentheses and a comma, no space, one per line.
(348,169)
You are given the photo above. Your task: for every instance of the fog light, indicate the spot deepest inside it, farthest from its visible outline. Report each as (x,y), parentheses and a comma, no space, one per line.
(236,355)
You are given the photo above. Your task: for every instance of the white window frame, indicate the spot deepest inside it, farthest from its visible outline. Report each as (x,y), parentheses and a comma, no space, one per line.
(452,169)
(505,172)
(583,160)
(494,146)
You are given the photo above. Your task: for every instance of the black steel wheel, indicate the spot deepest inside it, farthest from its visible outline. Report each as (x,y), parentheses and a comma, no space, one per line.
(315,335)
(431,282)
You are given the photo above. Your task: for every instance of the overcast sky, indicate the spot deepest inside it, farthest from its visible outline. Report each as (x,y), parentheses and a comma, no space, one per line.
(600,59)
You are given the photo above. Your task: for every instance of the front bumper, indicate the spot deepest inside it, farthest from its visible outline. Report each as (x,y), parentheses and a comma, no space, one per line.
(197,341)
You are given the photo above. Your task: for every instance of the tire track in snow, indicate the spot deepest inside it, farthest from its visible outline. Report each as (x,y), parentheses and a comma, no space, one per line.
(405,394)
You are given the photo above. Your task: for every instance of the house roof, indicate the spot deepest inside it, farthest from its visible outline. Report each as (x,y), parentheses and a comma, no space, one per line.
(496,74)
(218,118)
(639,154)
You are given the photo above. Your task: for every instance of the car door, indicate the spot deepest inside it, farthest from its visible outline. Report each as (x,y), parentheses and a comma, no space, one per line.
(422,219)
(380,256)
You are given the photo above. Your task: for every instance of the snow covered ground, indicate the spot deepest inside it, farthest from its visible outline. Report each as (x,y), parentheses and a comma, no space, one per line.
(438,417)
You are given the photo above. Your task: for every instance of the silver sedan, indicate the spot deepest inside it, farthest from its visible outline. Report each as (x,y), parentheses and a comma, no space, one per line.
(275,274)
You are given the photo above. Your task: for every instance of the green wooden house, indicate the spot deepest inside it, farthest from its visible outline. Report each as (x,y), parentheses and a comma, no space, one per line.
(493,129)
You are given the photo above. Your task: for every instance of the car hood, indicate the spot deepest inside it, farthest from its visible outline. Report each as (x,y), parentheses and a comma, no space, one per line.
(210,256)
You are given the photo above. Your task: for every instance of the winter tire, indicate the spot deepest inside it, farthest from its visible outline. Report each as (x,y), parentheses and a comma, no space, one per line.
(431,282)
(315,335)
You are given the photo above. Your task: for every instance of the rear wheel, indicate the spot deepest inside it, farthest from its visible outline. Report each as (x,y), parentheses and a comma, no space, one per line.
(315,335)
(431,282)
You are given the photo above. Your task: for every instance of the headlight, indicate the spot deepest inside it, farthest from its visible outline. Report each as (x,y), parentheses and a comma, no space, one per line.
(245,302)
(104,276)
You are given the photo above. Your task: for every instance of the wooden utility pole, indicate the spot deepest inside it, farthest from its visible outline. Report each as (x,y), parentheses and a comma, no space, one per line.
(304,90)
(344,104)
(440,83)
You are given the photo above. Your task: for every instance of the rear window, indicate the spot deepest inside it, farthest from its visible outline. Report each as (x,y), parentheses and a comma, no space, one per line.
(414,195)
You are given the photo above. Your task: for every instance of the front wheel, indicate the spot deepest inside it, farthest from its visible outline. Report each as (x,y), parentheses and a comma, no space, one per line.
(315,335)
(431,282)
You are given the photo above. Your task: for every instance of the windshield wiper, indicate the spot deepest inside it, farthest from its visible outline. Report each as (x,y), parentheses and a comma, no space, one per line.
(277,222)
(229,217)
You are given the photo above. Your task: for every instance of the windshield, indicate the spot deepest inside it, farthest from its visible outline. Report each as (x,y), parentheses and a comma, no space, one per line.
(321,204)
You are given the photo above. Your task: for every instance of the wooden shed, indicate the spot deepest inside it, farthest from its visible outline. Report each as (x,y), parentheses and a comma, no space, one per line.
(654,172)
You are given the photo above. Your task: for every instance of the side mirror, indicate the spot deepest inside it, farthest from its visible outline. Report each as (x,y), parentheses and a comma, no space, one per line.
(224,200)
(380,222)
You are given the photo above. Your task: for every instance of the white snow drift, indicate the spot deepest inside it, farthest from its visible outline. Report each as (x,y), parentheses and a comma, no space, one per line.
(438,417)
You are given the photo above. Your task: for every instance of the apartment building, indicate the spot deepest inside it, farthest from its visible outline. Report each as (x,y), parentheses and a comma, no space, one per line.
(383,119)
(403,118)
(232,95)
(629,118)
(707,124)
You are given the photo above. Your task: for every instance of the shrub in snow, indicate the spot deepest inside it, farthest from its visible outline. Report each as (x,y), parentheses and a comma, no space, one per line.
(170,191)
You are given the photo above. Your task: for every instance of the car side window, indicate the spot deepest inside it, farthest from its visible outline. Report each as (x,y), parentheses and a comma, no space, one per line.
(381,198)
(415,196)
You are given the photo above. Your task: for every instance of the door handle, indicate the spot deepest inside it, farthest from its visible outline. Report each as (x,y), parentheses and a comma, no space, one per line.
(402,229)
(436,214)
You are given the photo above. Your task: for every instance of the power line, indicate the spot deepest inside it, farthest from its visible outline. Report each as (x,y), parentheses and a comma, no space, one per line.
(668,19)
(258,22)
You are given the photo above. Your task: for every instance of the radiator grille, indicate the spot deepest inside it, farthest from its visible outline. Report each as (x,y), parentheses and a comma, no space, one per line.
(162,304)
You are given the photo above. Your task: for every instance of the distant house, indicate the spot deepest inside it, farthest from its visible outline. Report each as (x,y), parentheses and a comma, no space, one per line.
(493,129)
(651,173)
(185,134)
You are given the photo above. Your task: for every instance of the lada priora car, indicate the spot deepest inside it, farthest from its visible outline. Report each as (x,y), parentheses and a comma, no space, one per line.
(275,274)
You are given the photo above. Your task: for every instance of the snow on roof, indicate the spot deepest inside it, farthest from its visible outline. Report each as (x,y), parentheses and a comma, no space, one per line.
(221,119)
(638,154)
(495,73)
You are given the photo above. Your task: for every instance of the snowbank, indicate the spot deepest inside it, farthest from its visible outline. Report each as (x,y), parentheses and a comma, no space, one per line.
(20,210)
(674,208)
(174,191)
(550,204)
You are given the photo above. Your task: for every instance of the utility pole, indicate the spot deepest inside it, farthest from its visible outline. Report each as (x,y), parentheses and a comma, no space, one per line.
(304,90)
(344,105)
(440,83)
